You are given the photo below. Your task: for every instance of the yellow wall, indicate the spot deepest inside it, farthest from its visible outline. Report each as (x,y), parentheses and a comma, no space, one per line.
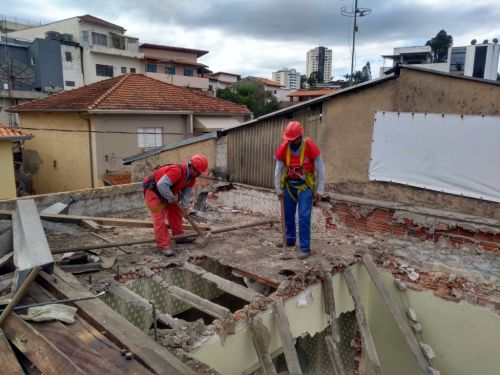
(7,179)
(63,157)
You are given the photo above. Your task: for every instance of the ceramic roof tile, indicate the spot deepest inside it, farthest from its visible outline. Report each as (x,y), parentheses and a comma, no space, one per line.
(7,132)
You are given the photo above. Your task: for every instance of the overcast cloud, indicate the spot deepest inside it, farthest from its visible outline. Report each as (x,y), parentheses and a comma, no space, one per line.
(260,36)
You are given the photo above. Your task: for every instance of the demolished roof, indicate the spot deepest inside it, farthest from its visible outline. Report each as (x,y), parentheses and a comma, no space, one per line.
(129,93)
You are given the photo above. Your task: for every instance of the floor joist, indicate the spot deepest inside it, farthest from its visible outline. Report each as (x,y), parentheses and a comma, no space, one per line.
(261,338)
(292,360)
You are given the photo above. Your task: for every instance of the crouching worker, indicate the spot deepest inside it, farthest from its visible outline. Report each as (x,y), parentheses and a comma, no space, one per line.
(163,189)
(299,180)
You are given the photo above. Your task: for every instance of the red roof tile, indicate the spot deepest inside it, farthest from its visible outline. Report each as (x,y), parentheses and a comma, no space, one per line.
(99,21)
(130,92)
(118,178)
(320,92)
(267,81)
(13,134)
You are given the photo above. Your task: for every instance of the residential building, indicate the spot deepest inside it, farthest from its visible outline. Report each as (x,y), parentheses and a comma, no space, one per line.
(8,136)
(289,78)
(319,59)
(221,80)
(476,60)
(82,135)
(271,86)
(106,50)
(28,70)
(175,65)
(305,95)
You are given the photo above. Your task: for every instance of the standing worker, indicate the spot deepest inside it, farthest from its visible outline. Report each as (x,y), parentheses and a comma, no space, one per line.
(299,178)
(163,188)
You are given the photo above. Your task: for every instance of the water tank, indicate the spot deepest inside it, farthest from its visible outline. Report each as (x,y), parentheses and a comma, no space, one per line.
(54,35)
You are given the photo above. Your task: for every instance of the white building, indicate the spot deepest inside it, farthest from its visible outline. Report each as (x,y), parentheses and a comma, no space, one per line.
(475,60)
(319,59)
(289,78)
(107,51)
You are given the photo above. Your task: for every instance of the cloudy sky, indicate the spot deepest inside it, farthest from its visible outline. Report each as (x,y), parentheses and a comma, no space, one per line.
(257,37)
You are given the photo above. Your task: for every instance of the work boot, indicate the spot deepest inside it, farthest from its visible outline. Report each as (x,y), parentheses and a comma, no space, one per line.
(303,254)
(185,240)
(168,252)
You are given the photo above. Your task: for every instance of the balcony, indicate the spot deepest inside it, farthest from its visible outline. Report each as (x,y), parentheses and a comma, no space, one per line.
(104,50)
(182,81)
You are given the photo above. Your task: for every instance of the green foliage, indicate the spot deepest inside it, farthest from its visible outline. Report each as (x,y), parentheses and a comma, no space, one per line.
(360,76)
(439,46)
(314,79)
(252,95)
(303,80)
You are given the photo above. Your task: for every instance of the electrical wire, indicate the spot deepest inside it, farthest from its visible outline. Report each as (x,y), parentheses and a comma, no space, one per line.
(104,131)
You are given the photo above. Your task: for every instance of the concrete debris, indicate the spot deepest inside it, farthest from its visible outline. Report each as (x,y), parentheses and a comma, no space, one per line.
(433,371)
(413,276)
(412,315)
(400,285)
(428,352)
(417,328)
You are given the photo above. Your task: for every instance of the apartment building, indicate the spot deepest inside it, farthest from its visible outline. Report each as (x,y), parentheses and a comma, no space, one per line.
(319,59)
(289,78)
(106,50)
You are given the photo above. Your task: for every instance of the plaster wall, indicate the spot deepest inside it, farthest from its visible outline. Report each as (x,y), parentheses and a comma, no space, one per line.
(111,148)
(58,160)
(7,178)
(181,154)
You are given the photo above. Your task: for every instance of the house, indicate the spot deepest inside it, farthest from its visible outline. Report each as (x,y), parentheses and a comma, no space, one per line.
(176,65)
(105,49)
(275,88)
(305,95)
(478,60)
(221,80)
(83,134)
(343,123)
(8,135)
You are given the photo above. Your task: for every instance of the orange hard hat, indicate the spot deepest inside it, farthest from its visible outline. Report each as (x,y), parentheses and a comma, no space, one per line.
(200,162)
(293,130)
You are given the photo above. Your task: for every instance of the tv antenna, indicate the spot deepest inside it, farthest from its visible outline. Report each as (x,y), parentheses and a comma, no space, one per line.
(355,13)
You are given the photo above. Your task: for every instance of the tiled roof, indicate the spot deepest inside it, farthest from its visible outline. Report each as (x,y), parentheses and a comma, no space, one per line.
(267,81)
(99,21)
(199,52)
(117,178)
(12,134)
(320,92)
(130,92)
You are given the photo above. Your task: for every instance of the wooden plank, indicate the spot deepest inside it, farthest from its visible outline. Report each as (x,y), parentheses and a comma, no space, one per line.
(368,343)
(397,314)
(91,338)
(109,241)
(114,221)
(114,326)
(227,286)
(41,352)
(292,360)
(333,339)
(7,357)
(261,339)
(91,225)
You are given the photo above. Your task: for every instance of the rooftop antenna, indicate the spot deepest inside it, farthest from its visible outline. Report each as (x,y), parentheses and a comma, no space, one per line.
(356,12)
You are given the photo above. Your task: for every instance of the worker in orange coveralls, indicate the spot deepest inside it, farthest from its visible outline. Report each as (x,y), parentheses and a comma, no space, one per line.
(163,188)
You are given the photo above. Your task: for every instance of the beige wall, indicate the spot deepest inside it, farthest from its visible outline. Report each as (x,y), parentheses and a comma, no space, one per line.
(181,154)
(7,178)
(112,148)
(345,138)
(59,161)
(163,54)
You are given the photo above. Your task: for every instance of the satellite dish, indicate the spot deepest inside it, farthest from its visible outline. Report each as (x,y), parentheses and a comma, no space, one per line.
(16,73)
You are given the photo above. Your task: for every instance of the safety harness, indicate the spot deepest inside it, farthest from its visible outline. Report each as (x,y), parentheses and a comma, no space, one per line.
(308,178)
(150,184)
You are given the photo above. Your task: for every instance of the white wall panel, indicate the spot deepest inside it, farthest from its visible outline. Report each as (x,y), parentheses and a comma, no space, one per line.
(448,153)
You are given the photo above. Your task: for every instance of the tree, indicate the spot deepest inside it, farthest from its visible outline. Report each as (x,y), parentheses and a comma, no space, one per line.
(303,80)
(360,76)
(252,95)
(439,46)
(314,78)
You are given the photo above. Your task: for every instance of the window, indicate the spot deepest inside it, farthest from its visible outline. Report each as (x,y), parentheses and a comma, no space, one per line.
(457,59)
(104,70)
(118,42)
(69,83)
(151,68)
(149,137)
(132,70)
(188,72)
(68,56)
(169,70)
(100,39)
(85,37)
(124,69)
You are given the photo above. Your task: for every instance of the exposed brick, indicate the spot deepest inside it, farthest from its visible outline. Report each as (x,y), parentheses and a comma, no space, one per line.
(384,215)
(490,246)
(374,226)
(399,230)
(362,224)
(481,236)
(386,228)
